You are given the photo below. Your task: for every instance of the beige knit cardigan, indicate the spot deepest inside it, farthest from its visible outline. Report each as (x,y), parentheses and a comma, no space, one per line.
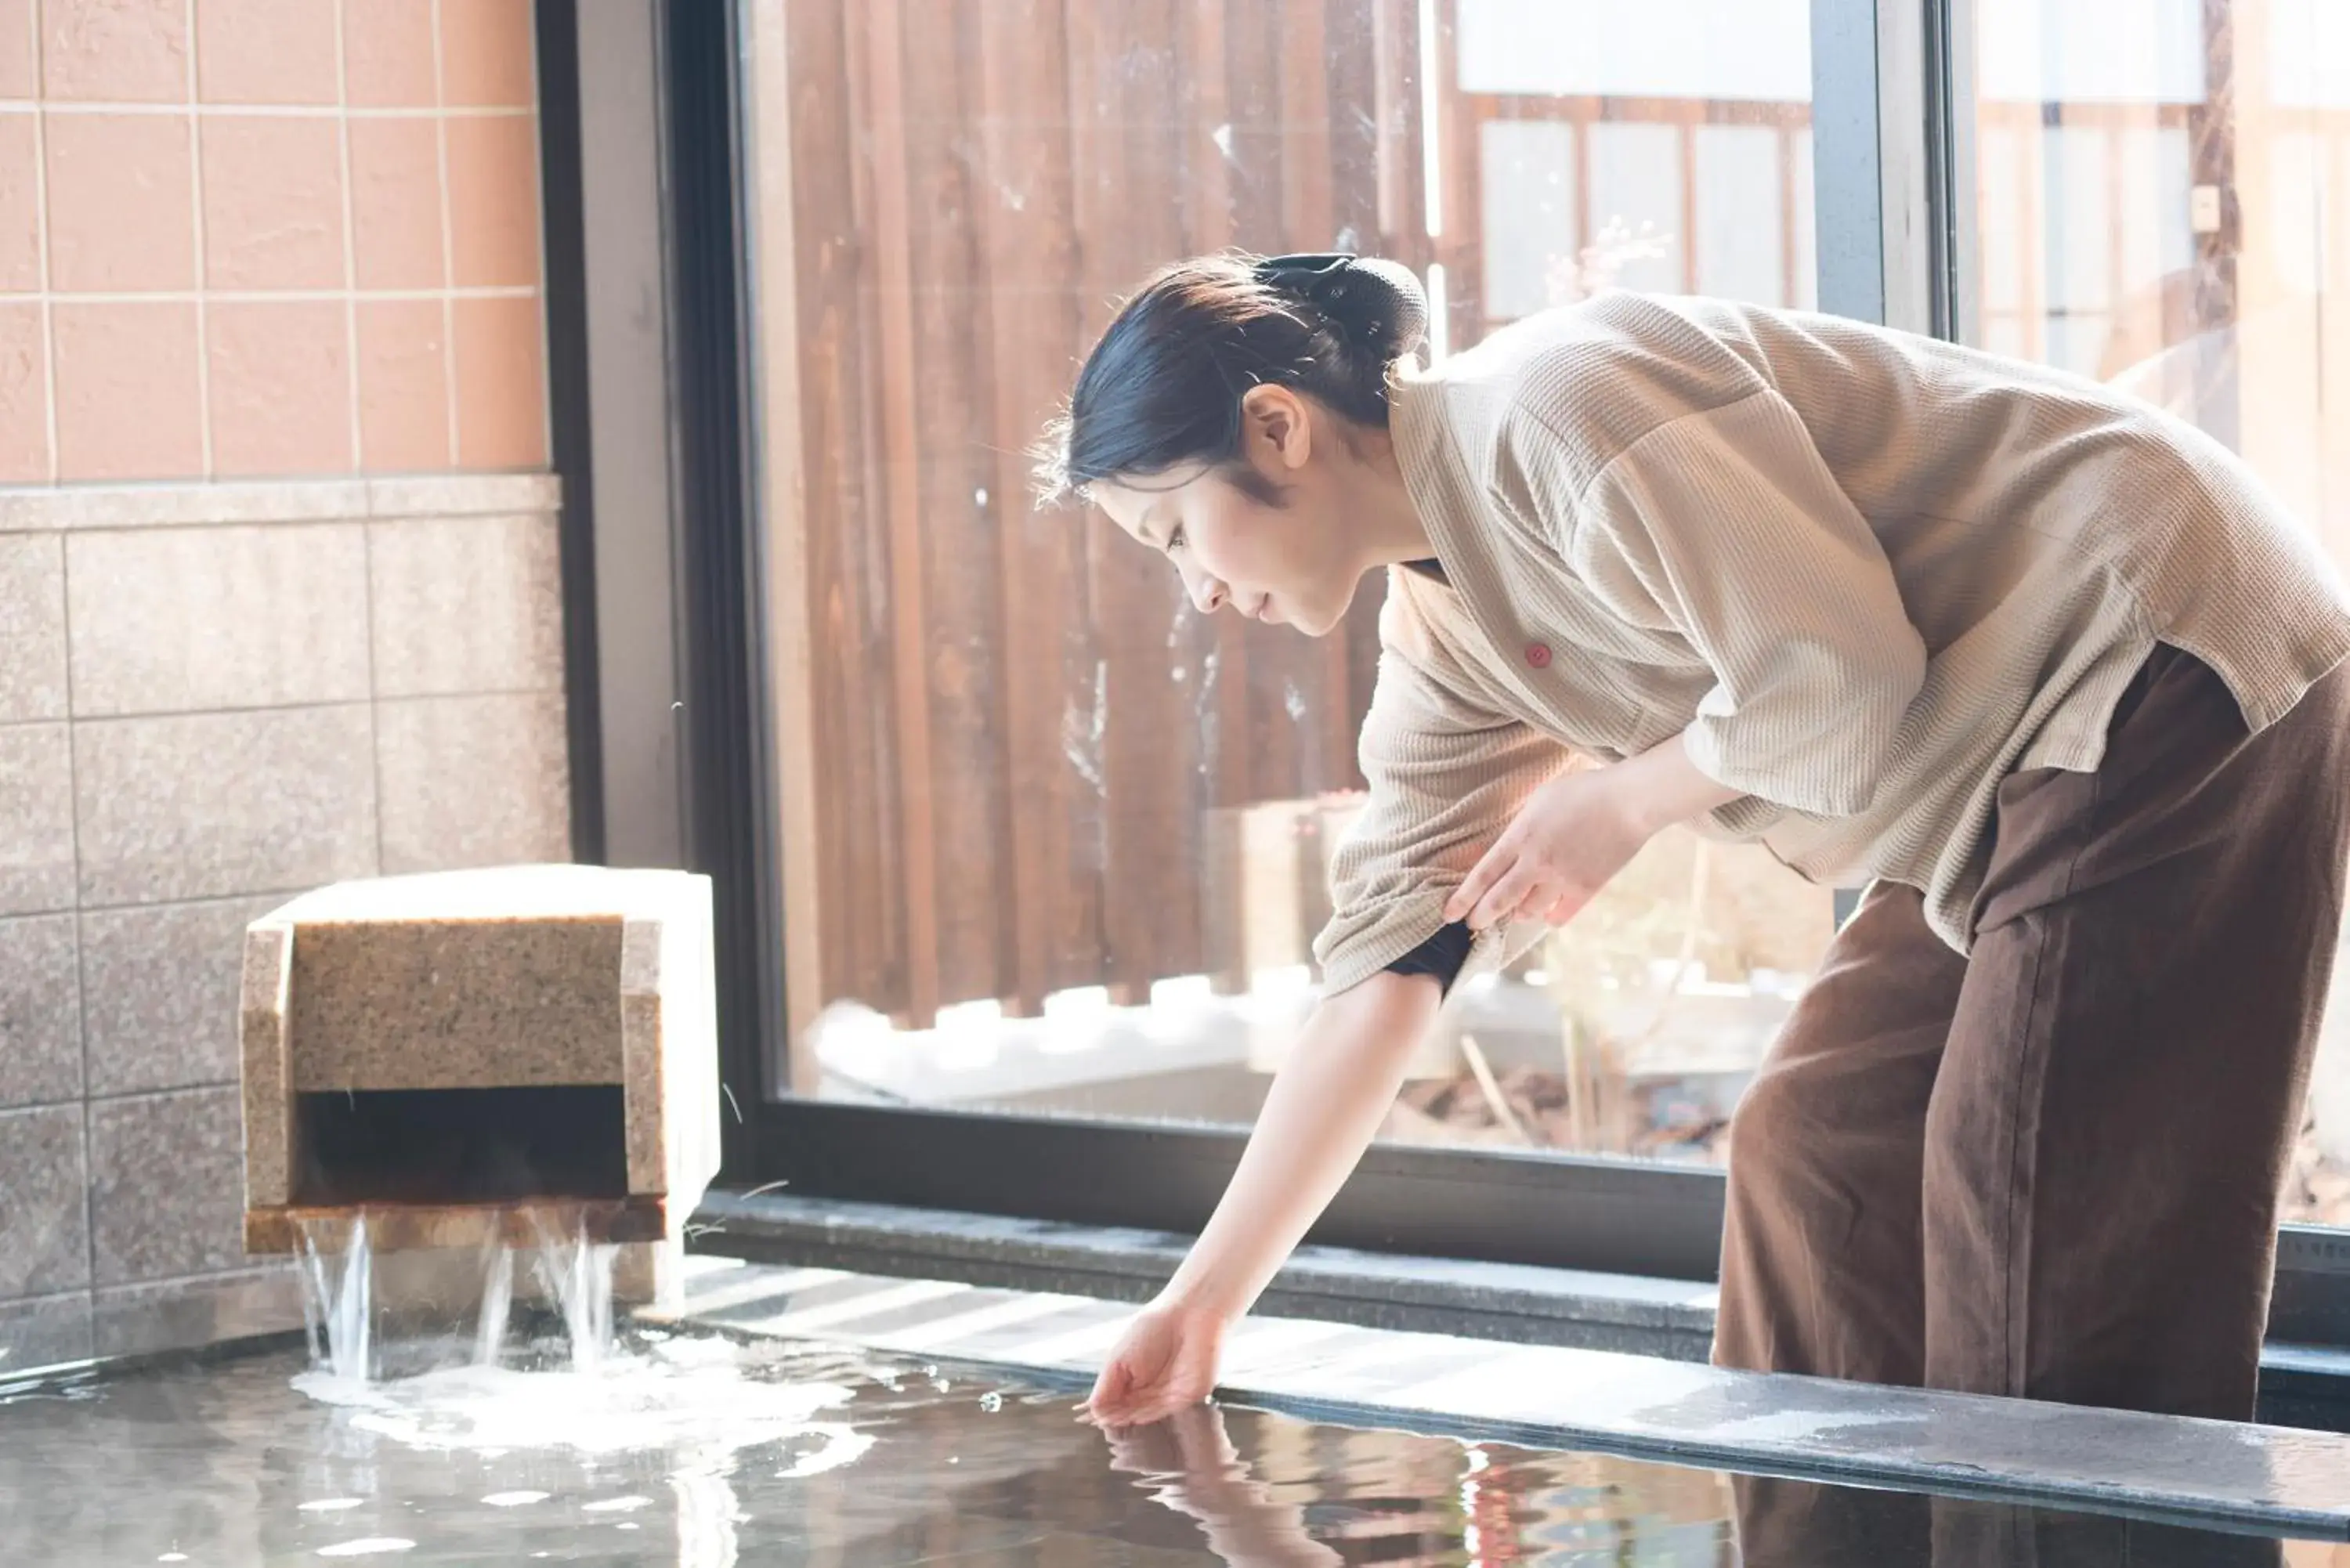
(1869,574)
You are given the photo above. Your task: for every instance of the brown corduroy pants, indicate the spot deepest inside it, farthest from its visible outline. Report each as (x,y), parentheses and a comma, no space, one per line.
(2050,1168)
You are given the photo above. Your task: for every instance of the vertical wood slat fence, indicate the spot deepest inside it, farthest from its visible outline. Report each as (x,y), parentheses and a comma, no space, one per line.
(1027,752)
(1021,728)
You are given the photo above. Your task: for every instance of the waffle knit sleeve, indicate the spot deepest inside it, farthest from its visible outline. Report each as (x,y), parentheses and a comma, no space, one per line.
(1446,776)
(1727,527)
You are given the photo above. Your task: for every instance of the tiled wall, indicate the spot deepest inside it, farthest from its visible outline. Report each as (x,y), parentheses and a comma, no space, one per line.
(245,237)
(201,712)
(279,600)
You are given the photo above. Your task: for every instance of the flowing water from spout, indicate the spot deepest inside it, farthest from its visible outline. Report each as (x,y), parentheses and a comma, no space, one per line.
(345,1310)
(338,1297)
(497,1302)
(576,1274)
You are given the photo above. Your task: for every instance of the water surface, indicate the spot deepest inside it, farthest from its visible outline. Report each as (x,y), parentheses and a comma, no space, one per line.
(705,1453)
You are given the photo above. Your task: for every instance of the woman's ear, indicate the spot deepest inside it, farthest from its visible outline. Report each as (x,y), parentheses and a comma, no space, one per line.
(1277,429)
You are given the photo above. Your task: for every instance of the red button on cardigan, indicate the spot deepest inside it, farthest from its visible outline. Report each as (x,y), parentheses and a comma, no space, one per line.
(1538,655)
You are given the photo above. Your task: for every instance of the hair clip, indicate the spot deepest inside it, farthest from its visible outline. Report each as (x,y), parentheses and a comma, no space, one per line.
(1317,264)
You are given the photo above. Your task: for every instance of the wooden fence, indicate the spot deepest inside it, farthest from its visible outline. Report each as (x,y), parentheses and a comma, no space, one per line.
(1006,736)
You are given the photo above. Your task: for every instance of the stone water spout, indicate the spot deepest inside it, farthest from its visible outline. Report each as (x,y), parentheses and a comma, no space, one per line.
(459,1054)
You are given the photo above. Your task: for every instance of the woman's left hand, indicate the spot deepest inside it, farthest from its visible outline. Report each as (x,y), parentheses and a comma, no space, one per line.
(1567,841)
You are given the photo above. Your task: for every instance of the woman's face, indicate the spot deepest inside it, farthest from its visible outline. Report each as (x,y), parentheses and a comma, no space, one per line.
(1292,565)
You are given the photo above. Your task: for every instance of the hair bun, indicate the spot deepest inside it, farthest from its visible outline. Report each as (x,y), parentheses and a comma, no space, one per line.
(1377,304)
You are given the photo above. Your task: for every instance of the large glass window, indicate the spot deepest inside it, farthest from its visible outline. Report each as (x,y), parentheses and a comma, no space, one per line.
(2163,202)
(1052,840)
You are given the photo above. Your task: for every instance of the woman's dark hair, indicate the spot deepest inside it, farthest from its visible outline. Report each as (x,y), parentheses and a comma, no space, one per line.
(1164,385)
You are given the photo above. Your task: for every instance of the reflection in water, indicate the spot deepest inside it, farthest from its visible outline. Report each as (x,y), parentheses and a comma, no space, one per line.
(707,1453)
(1187,1463)
(1516,1511)
(1788,1524)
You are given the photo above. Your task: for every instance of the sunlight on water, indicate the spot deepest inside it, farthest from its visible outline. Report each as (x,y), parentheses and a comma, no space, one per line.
(370,1546)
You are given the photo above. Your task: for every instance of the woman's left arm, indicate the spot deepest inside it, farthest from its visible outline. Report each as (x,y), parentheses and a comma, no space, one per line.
(1662,787)
(1578,830)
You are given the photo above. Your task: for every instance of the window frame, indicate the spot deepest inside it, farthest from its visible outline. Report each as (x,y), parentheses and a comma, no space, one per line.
(685,528)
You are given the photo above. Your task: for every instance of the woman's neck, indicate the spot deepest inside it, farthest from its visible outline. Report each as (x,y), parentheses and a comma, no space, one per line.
(1388,523)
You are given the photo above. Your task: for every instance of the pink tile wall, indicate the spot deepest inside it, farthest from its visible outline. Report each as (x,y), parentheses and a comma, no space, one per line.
(242,238)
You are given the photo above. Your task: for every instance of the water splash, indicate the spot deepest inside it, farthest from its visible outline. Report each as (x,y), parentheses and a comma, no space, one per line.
(710,1398)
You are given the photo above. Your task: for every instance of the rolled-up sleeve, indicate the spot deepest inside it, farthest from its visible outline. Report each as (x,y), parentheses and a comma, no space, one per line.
(1727,527)
(1446,776)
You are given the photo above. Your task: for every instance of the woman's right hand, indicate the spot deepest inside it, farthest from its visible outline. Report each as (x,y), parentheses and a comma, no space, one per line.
(1166,1360)
(1326,1102)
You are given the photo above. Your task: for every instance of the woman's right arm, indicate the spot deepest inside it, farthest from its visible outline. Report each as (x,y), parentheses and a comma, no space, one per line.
(1446,774)
(1325,1104)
